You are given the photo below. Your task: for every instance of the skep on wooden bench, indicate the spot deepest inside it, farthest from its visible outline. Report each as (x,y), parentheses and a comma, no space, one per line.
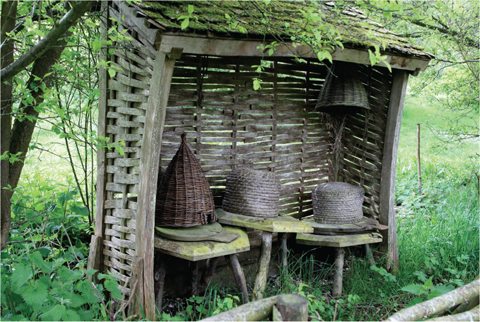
(200,81)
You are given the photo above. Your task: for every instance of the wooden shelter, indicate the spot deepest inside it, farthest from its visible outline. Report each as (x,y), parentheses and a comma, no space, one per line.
(200,81)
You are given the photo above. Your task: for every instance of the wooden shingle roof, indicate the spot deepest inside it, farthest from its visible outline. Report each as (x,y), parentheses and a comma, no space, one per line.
(256,20)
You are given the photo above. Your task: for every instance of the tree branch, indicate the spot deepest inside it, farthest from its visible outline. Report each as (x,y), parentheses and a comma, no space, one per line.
(47,42)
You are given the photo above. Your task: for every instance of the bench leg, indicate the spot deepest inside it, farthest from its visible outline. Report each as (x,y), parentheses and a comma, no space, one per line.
(195,278)
(210,270)
(160,272)
(338,274)
(264,263)
(238,273)
(282,259)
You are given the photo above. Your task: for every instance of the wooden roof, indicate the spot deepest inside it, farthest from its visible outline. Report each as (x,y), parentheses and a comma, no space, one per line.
(219,19)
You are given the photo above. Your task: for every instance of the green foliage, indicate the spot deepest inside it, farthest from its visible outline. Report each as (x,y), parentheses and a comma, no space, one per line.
(38,284)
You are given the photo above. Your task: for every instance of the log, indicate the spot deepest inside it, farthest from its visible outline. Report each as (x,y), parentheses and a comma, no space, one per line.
(292,307)
(264,262)
(338,274)
(472,315)
(255,311)
(438,304)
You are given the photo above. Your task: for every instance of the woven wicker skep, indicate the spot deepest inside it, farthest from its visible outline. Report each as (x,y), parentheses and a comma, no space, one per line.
(342,92)
(337,203)
(252,193)
(184,197)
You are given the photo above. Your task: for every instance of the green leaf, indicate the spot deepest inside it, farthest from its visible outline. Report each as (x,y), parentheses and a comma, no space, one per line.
(96,45)
(54,314)
(185,23)
(36,295)
(416,289)
(37,260)
(86,290)
(191,8)
(21,275)
(90,272)
(112,72)
(112,286)
(428,283)
(71,315)
(256,84)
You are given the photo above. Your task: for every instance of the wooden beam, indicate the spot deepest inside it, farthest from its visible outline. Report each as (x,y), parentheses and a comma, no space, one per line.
(149,167)
(101,128)
(196,44)
(130,20)
(389,165)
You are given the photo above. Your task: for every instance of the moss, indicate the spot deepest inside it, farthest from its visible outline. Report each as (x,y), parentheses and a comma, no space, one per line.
(259,19)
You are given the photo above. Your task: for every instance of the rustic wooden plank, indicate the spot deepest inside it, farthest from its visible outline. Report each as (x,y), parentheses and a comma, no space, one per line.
(339,240)
(277,224)
(366,224)
(230,47)
(389,164)
(149,162)
(195,251)
(101,155)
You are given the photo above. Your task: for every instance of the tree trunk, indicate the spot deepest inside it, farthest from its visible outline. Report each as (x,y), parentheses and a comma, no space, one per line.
(9,14)
(20,135)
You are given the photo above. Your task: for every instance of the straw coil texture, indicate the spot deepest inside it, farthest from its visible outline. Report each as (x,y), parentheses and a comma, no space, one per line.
(342,92)
(337,203)
(252,193)
(184,198)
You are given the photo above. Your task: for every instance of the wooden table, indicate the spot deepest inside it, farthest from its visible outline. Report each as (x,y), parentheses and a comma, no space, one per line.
(339,242)
(195,251)
(268,226)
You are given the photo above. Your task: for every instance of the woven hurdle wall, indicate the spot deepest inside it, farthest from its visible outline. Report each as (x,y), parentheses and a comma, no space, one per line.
(124,123)
(230,125)
(363,139)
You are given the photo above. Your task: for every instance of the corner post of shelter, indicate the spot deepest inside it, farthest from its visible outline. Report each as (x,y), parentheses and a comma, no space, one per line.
(96,248)
(149,167)
(389,163)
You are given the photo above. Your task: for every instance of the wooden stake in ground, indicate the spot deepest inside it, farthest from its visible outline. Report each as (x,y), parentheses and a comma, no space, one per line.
(419,167)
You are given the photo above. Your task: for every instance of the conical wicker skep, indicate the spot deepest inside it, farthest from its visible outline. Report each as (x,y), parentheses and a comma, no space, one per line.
(184,198)
(337,203)
(342,91)
(252,193)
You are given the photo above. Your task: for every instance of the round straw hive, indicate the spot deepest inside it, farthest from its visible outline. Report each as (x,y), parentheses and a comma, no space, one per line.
(252,193)
(337,203)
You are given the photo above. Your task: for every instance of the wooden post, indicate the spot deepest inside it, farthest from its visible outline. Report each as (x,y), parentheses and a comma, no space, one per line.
(239,276)
(149,167)
(95,255)
(282,258)
(389,165)
(419,166)
(338,274)
(160,272)
(138,297)
(101,130)
(262,272)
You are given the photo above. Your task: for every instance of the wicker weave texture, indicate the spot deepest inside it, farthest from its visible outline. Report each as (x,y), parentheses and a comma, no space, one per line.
(184,198)
(337,203)
(252,193)
(343,92)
